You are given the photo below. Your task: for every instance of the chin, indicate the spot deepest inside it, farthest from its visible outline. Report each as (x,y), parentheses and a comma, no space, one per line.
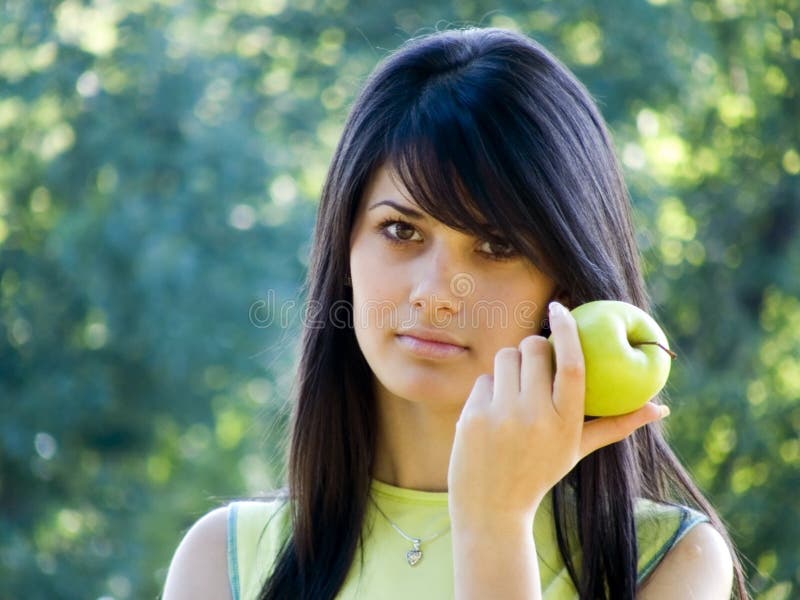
(427,390)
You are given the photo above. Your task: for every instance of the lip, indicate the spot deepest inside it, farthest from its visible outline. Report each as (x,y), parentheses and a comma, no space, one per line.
(428,348)
(431,335)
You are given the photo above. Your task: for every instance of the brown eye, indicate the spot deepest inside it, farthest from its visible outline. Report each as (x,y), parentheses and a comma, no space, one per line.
(402,229)
(499,250)
(396,230)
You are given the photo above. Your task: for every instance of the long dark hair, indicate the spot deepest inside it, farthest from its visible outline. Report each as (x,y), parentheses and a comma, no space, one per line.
(481,125)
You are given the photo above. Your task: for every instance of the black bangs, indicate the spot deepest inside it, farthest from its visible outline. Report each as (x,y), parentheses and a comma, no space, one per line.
(453,159)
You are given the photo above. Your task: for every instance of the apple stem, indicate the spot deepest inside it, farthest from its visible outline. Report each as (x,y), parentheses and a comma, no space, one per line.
(664,348)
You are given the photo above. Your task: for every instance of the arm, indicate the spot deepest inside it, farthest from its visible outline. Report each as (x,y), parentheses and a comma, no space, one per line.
(199,569)
(517,436)
(699,566)
(496,562)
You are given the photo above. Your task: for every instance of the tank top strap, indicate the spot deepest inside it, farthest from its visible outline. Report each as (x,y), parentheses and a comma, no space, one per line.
(659,526)
(256,532)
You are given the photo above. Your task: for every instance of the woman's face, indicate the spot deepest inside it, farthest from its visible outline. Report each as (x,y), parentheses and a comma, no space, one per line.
(419,274)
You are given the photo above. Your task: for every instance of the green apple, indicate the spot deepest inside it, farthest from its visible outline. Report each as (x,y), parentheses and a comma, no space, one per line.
(626,356)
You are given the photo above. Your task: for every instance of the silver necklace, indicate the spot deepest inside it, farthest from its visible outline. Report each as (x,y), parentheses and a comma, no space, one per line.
(414,555)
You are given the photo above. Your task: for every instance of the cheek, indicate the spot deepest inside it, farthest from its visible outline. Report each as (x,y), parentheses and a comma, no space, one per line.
(375,306)
(368,268)
(377,295)
(490,342)
(503,322)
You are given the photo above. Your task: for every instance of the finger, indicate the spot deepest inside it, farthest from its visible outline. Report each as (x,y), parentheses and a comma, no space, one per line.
(608,430)
(569,386)
(536,372)
(506,376)
(480,397)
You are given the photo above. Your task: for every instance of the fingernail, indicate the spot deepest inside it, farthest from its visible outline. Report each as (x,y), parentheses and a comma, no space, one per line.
(557,308)
(664,410)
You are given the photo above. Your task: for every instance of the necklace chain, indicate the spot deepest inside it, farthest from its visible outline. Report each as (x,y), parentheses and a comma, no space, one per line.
(414,555)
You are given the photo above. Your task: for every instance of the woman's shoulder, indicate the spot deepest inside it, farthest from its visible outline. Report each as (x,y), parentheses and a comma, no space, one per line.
(699,566)
(199,566)
(214,556)
(660,526)
(681,554)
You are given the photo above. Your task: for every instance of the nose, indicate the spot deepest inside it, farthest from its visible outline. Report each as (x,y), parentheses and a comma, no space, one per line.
(440,286)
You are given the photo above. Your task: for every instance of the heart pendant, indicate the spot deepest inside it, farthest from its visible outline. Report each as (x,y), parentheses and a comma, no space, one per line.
(413,557)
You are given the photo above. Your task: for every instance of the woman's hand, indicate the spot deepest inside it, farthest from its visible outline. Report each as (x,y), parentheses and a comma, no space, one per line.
(522,430)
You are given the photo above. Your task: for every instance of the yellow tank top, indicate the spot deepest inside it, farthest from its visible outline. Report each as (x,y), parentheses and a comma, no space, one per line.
(257,529)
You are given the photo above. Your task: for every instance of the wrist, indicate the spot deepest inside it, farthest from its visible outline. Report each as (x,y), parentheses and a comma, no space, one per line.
(489,521)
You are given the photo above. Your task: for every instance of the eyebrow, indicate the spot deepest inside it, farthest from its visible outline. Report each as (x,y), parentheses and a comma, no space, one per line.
(407,211)
(410,212)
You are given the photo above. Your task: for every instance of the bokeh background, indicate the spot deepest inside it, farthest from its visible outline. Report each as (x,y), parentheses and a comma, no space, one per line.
(160,165)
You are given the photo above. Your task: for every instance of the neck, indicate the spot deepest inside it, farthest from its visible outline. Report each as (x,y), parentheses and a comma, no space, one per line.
(414,443)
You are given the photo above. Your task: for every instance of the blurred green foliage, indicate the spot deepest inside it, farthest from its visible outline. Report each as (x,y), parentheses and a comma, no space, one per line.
(160,161)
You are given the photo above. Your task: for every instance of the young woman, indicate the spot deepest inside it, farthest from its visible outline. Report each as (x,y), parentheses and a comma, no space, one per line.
(474,185)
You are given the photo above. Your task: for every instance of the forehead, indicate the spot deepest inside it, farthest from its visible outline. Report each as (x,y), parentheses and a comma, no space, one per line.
(385,184)
(385,189)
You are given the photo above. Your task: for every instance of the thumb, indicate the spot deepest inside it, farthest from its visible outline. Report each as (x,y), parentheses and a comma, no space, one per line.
(608,430)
